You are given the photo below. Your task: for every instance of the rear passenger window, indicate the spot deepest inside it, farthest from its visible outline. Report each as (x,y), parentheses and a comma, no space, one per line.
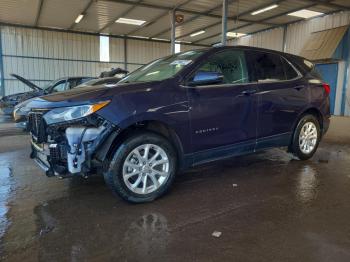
(268,67)
(289,70)
(231,64)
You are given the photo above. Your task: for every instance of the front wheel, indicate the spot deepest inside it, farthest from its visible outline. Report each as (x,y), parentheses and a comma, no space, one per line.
(306,137)
(143,168)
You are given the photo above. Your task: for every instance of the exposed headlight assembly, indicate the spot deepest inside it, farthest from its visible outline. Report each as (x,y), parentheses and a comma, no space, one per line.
(63,114)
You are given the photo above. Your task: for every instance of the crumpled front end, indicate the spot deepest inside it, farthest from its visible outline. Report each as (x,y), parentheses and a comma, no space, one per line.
(68,148)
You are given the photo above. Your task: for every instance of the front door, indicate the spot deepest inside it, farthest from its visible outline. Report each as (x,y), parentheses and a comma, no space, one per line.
(223,115)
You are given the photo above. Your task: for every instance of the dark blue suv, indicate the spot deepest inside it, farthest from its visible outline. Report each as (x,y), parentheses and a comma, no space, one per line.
(180,111)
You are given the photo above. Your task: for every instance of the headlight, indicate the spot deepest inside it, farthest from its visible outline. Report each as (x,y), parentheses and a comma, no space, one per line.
(14,112)
(63,114)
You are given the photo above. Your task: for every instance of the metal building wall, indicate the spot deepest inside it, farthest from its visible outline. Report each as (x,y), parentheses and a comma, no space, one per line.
(190,47)
(271,39)
(296,34)
(141,52)
(42,55)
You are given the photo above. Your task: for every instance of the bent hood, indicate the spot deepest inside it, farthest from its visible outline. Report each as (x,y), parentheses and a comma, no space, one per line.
(27,82)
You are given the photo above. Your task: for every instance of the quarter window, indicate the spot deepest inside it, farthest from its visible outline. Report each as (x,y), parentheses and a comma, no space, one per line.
(268,67)
(231,64)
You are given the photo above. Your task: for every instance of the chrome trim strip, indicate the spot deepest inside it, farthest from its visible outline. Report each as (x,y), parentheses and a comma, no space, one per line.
(41,164)
(37,147)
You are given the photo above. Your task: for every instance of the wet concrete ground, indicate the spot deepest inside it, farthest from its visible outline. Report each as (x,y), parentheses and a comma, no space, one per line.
(267,206)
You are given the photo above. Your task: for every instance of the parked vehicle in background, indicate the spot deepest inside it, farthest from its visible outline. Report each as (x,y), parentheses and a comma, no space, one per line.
(102,81)
(21,110)
(181,111)
(114,72)
(7,103)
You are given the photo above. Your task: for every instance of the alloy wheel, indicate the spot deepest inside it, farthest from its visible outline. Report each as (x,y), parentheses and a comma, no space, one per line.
(146,169)
(308,138)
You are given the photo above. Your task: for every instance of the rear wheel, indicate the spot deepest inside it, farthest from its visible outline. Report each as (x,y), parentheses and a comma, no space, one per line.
(306,137)
(143,168)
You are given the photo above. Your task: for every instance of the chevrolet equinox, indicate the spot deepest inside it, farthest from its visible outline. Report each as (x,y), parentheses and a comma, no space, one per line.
(177,112)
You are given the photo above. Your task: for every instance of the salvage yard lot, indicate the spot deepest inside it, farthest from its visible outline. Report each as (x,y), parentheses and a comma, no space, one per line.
(266,206)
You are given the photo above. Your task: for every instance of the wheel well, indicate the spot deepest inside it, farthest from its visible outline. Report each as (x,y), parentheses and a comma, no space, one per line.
(315,112)
(157,127)
(311,111)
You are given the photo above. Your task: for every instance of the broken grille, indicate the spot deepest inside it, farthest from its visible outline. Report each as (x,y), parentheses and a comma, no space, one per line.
(36,125)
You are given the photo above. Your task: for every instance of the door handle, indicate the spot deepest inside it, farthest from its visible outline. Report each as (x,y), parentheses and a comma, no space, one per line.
(249,92)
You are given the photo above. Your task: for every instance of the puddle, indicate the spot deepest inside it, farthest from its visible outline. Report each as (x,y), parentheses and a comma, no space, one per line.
(5,191)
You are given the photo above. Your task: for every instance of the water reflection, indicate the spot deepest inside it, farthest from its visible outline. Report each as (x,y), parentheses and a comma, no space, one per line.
(5,190)
(145,236)
(97,235)
(307,184)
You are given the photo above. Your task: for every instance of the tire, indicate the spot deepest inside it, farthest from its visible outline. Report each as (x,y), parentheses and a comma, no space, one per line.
(126,162)
(305,148)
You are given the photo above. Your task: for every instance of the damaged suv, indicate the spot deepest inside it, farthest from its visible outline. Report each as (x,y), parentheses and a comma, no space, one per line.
(180,111)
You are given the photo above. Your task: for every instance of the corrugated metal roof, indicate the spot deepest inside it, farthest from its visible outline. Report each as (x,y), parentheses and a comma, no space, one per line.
(342,2)
(322,45)
(48,15)
(202,14)
(19,12)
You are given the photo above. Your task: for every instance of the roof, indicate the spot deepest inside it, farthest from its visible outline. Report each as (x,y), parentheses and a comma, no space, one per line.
(100,16)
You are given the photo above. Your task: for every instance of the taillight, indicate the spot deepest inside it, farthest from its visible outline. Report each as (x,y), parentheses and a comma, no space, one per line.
(327,88)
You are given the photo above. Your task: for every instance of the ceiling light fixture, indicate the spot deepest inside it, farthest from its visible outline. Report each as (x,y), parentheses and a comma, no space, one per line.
(264,9)
(139,36)
(160,39)
(305,13)
(130,21)
(197,33)
(78,19)
(236,35)
(182,41)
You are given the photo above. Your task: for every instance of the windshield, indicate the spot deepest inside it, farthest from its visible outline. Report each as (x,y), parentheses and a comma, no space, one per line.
(162,68)
(91,82)
(49,85)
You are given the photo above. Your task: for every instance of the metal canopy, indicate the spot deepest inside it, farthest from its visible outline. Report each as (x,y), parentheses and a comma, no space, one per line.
(322,45)
(199,15)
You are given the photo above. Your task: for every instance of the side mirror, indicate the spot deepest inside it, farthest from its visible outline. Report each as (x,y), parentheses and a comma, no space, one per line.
(206,78)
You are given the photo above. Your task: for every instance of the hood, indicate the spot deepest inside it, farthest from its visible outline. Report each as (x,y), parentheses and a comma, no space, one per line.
(27,82)
(24,103)
(86,95)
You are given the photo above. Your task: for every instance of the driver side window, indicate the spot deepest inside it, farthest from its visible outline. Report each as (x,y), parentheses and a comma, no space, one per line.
(231,64)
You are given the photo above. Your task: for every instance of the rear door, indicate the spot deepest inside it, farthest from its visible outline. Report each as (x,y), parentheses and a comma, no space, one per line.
(282,96)
(223,114)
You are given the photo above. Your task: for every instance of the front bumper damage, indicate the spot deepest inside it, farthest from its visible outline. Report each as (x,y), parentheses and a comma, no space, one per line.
(72,148)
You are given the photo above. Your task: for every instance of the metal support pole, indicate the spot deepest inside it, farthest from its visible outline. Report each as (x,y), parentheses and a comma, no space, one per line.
(224,22)
(125,53)
(173,27)
(284,42)
(2,80)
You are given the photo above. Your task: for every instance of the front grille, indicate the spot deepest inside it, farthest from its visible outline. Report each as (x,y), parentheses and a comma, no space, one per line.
(58,153)
(37,127)
(54,154)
